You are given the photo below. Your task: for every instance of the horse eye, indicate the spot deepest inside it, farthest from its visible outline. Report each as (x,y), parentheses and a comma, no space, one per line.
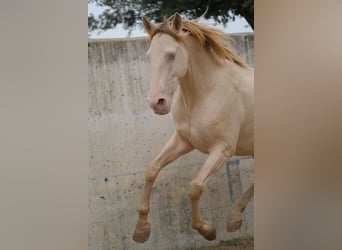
(170,57)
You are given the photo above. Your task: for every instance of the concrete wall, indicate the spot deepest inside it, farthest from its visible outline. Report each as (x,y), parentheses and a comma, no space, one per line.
(124,135)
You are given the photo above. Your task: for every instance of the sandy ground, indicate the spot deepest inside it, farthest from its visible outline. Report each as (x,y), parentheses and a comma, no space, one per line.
(236,244)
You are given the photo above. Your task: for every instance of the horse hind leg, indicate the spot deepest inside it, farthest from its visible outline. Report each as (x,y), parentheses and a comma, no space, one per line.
(235,217)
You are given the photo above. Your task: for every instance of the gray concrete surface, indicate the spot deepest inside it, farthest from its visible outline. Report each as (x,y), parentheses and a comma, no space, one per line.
(125,134)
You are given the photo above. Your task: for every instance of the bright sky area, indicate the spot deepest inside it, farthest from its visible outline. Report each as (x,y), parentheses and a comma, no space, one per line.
(237,26)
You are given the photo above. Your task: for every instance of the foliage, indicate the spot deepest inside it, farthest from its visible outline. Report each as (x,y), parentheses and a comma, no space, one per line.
(130,12)
(233,242)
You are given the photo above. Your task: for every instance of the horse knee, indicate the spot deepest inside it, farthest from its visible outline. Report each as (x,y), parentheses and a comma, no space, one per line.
(195,190)
(151,174)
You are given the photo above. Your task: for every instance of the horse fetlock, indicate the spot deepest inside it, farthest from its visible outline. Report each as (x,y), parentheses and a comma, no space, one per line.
(143,210)
(234,225)
(196,225)
(235,215)
(234,221)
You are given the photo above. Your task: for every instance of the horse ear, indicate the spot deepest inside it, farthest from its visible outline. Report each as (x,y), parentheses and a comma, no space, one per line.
(149,26)
(177,23)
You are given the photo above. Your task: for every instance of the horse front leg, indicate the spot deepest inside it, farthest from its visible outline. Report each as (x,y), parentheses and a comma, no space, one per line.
(213,163)
(175,147)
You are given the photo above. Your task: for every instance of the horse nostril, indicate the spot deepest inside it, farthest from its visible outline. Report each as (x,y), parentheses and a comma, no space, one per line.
(161,102)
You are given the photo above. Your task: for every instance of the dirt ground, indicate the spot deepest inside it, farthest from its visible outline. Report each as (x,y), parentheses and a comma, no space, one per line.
(236,244)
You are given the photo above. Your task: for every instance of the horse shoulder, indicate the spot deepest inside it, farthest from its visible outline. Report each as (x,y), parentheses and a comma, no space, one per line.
(181,118)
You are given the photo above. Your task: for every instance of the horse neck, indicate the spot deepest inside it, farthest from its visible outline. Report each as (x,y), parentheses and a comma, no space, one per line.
(201,66)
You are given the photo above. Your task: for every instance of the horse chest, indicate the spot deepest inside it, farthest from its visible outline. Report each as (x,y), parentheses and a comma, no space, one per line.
(201,135)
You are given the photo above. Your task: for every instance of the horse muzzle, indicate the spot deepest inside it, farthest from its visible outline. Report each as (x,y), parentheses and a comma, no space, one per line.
(160,106)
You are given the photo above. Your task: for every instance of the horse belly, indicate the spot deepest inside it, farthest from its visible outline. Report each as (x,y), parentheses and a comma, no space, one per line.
(245,148)
(245,145)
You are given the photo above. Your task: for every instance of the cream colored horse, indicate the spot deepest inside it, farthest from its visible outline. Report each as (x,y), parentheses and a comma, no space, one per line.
(213,112)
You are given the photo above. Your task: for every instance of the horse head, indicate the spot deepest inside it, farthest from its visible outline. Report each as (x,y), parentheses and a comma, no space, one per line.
(169,61)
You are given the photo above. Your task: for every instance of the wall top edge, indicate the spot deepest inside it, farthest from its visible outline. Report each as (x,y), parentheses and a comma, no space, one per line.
(103,40)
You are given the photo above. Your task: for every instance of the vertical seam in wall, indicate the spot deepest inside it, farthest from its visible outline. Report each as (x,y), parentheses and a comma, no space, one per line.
(230,184)
(246,43)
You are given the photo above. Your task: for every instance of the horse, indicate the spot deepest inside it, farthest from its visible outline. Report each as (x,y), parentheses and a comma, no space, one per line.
(213,112)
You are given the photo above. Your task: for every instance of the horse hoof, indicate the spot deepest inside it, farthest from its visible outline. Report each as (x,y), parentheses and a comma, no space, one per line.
(209,232)
(234,225)
(142,235)
(211,236)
